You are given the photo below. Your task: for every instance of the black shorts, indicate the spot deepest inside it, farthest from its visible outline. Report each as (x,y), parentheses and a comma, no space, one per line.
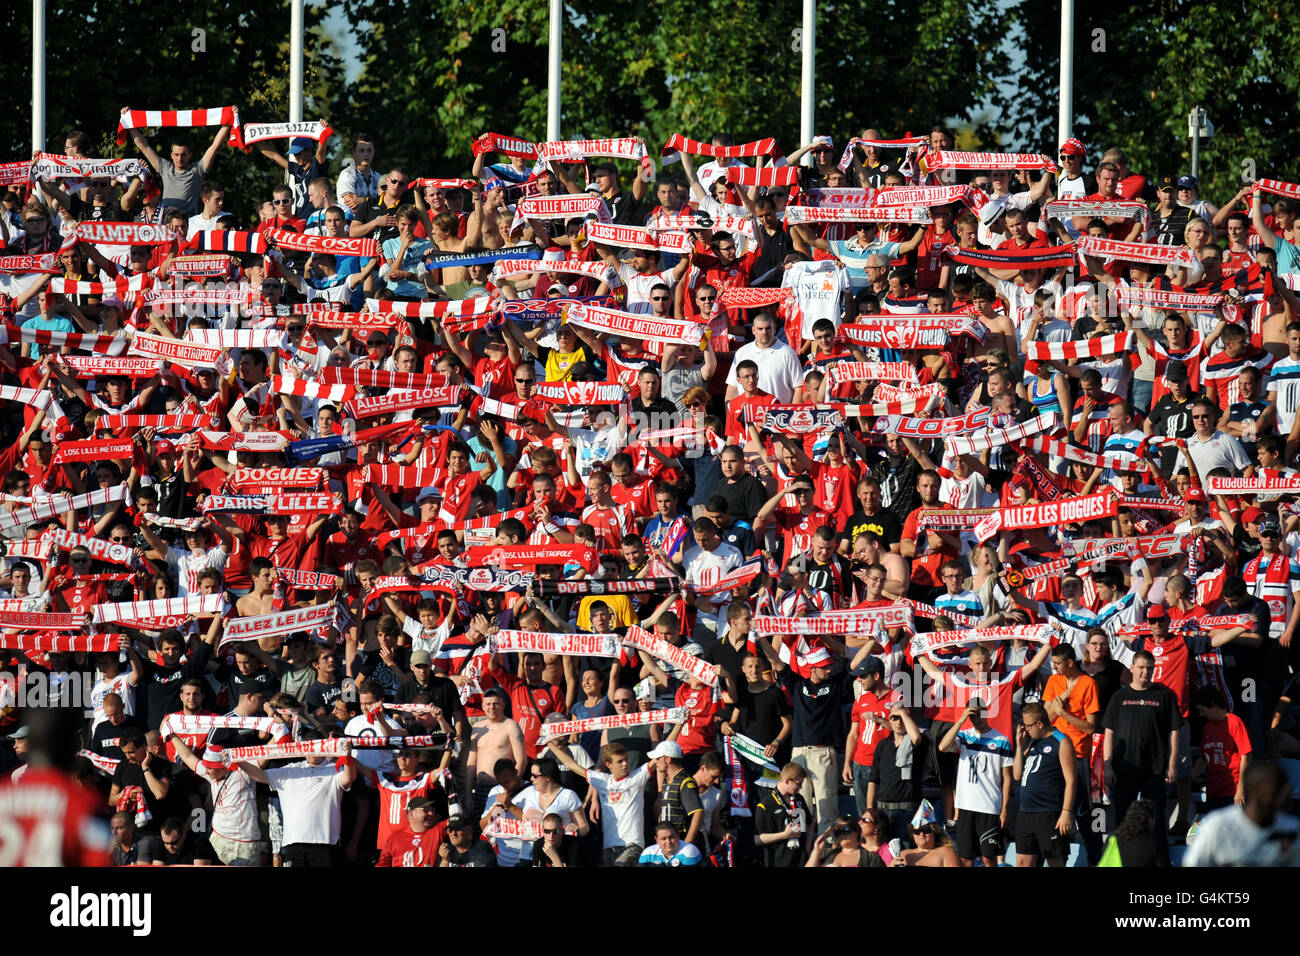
(978,834)
(947,761)
(1036,835)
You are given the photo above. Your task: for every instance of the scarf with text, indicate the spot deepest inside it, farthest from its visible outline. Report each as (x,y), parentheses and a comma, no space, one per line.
(441,397)
(1137,251)
(1049,514)
(312,448)
(506,145)
(842,372)
(565,728)
(327,245)
(951,519)
(99,549)
(1223,485)
(201,267)
(592,270)
(1132,296)
(924,644)
(55,166)
(908,142)
(934,160)
(629,325)
(683,660)
(259,132)
(569,206)
(20,265)
(1051,257)
(635,237)
(308,503)
(334,747)
(56,505)
(125,234)
(974,444)
(41,620)
(930,612)
(848,621)
(882,333)
(93,450)
(278,623)
(798,215)
(188,354)
(567,645)
(532,556)
(93,366)
(1098,208)
(269,481)
(693,221)
(577,150)
(580,393)
(910,427)
(177,119)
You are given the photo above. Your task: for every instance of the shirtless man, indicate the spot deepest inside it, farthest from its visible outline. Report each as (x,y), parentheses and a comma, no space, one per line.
(499,737)
(261,599)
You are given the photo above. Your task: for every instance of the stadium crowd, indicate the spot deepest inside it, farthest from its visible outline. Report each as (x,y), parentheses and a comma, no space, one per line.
(889,505)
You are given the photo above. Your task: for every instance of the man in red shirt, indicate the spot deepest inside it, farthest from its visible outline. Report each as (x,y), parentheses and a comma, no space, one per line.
(1117,227)
(461,482)
(869,724)
(930,264)
(928,552)
(532,699)
(634,492)
(610,520)
(417,843)
(798,523)
(1018,234)
(78,594)
(282,201)
(723,270)
(743,409)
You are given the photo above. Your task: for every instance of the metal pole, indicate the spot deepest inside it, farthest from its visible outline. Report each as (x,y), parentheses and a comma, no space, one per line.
(295,61)
(1196,141)
(38,75)
(808,84)
(553,72)
(1065,111)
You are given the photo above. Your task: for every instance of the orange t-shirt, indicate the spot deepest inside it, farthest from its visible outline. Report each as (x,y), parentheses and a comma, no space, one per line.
(1081,702)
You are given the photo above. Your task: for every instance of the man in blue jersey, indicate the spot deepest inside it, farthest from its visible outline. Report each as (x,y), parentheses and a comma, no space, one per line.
(1045,767)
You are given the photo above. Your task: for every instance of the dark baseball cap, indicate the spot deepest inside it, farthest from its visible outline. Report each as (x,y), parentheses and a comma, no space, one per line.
(1176,371)
(1166,182)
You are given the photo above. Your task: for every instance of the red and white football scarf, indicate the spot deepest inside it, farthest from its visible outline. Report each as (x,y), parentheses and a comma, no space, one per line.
(679,143)
(259,132)
(93,450)
(748,297)
(103,764)
(93,366)
(289,385)
(355,321)
(177,724)
(1098,208)
(848,621)
(188,354)
(1050,257)
(974,199)
(930,612)
(883,333)
(55,166)
(909,142)
(278,623)
(656,646)
(36,398)
(81,341)
(951,519)
(1136,251)
(439,397)
(569,645)
(695,221)
(181,524)
(506,827)
(200,605)
(630,325)
(1133,297)
(41,621)
(570,206)
(954,323)
(633,237)
(424,182)
(380,378)
(925,644)
(933,160)
(125,234)
(563,728)
(580,393)
(334,747)
(200,267)
(266,481)
(229,240)
(906,425)
(506,145)
(402,476)
(426,310)
(576,150)
(531,556)
(1279,187)
(220,116)
(1117,461)
(767,176)
(1049,515)
(328,245)
(841,372)
(974,444)
(734,578)
(61,643)
(235,338)
(686,435)
(593,270)
(310,503)
(119,286)
(19,265)
(1080,349)
(154,297)
(55,505)
(797,215)
(1288,484)
(99,548)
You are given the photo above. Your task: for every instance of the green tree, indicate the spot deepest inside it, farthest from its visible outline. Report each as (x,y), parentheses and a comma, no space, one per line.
(146,55)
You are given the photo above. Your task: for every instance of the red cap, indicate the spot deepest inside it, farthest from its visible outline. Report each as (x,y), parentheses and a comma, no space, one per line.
(1073,147)
(1251,515)
(1156,612)
(1195,494)
(165,447)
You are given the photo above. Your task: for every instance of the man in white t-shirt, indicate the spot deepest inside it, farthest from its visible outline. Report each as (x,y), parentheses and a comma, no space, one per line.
(779,371)
(1210,448)
(311,799)
(622,802)
(984,763)
(642,274)
(709,559)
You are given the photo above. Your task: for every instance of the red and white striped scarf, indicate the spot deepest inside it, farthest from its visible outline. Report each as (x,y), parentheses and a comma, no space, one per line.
(402,476)
(235,338)
(1136,251)
(427,310)
(229,240)
(200,605)
(581,393)
(81,341)
(1117,461)
(1279,187)
(289,385)
(951,519)
(425,182)
(570,206)
(885,333)
(380,378)
(220,116)
(679,143)
(909,142)
(178,723)
(62,643)
(55,505)
(683,660)
(177,351)
(103,764)
(767,176)
(93,450)
(974,444)
(634,237)
(841,372)
(910,427)
(1094,347)
(259,132)
(1094,208)
(576,150)
(734,578)
(693,221)
(36,398)
(635,326)
(182,524)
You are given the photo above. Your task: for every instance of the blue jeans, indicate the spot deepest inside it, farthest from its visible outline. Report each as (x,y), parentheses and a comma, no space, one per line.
(860,775)
(1142,395)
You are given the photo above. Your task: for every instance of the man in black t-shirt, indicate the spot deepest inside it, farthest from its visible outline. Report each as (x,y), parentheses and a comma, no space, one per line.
(870,516)
(462,846)
(252,670)
(107,736)
(783,823)
(894,784)
(1171,417)
(738,534)
(1141,746)
(326,688)
(177,846)
(141,782)
(162,682)
(744,493)
(823,569)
